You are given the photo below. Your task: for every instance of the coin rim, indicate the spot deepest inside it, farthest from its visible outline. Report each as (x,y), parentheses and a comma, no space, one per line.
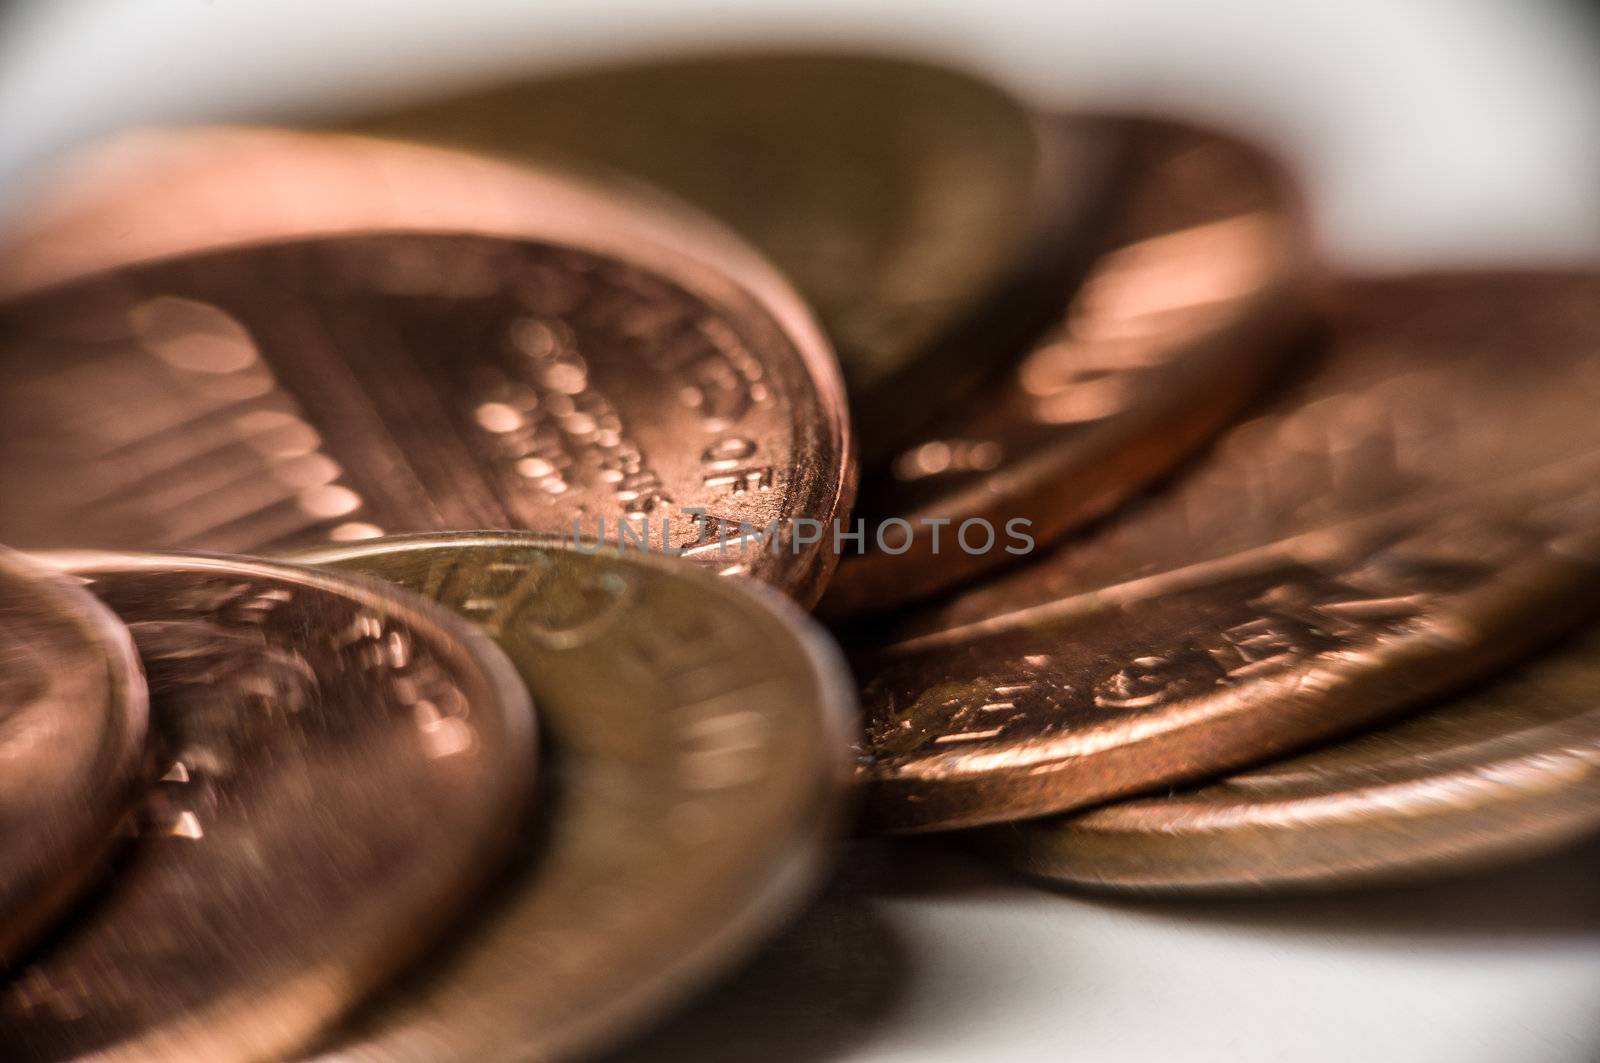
(1184,844)
(100,806)
(804,857)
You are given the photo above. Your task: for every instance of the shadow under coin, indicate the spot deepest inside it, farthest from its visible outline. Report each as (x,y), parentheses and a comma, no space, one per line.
(819,988)
(935,865)
(1556,895)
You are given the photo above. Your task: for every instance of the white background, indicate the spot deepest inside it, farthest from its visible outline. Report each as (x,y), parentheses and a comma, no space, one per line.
(1426,131)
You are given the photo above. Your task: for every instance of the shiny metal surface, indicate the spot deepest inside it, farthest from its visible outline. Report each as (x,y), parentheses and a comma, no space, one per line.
(286,339)
(1420,508)
(73,717)
(699,732)
(1200,285)
(340,765)
(927,215)
(1508,770)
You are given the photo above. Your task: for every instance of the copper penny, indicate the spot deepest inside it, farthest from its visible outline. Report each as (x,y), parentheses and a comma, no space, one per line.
(340,764)
(1507,771)
(1417,510)
(72,727)
(700,736)
(286,339)
(925,213)
(1202,283)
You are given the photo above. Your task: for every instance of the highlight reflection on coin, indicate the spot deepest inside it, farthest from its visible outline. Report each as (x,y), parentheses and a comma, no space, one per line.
(1418,510)
(1184,314)
(700,743)
(1507,771)
(292,339)
(340,764)
(72,730)
(921,211)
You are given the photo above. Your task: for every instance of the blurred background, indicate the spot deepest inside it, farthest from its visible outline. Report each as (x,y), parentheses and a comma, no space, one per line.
(1424,131)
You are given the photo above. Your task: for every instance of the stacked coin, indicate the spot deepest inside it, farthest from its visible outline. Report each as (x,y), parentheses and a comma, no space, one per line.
(349,462)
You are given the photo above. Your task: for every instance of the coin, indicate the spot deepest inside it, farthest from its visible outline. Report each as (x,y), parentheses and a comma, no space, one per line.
(1417,510)
(1507,771)
(341,763)
(72,729)
(700,739)
(926,214)
(288,339)
(1202,283)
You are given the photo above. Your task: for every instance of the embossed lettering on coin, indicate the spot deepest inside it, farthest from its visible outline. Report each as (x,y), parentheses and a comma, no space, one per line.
(278,381)
(1506,771)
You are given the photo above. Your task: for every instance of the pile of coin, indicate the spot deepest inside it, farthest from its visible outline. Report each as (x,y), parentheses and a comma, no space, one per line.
(402,645)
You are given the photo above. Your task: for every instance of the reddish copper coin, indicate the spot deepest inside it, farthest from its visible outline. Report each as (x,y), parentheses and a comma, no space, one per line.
(1189,306)
(1504,772)
(73,716)
(248,341)
(1419,509)
(341,766)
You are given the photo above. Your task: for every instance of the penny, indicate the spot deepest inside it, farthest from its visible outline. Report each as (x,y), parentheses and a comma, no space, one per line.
(926,214)
(1415,511)
(1201,285)
(1508,771)
(284,340)
(72,729)
(340,765)
(700,737)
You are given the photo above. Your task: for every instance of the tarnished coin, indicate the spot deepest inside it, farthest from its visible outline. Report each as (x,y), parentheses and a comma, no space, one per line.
(1202,283)
(288,339)
(341,764)
(1507,771)
(72,730)
(700,742)
(1420,508)
(927,215)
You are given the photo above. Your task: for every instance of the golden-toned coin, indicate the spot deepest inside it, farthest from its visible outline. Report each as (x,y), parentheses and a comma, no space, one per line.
(928,216)
(1203,282)
(284,339)
(72,730)
(1510,770)
(1420,508)
(700,742)
(341,763)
